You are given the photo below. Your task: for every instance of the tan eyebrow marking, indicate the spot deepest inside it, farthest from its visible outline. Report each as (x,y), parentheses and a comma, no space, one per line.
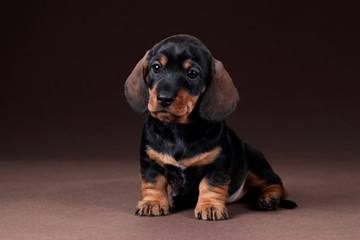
(198,160)
(162,60)
(187,64)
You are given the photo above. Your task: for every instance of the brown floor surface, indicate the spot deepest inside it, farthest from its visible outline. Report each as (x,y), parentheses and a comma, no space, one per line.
(77,198)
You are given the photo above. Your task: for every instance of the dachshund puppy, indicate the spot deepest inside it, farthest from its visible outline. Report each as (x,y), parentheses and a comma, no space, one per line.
(188,156)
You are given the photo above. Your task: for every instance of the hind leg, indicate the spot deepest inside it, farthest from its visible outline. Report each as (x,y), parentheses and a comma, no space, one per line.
(270,197)
(265,195)
(264,185)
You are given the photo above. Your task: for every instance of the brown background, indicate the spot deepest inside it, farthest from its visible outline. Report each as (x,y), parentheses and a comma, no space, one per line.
(64,66)
(69,166)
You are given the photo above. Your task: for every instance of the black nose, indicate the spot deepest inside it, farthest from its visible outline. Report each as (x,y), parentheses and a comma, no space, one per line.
(165,99)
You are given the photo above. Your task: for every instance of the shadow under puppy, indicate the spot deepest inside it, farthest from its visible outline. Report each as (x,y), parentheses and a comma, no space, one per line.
(188,156)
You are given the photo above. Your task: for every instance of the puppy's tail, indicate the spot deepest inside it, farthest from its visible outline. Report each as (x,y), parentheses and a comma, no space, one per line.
(288,204)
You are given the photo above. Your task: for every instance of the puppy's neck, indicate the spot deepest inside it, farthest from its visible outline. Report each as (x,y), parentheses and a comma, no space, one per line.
(197,128)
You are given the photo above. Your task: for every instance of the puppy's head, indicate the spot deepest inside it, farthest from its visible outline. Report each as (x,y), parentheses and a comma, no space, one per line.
(177,79)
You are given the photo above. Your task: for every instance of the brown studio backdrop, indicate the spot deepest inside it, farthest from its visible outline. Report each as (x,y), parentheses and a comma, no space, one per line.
(64,66)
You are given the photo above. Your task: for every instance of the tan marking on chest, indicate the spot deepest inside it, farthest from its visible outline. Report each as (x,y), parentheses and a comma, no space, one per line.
(199,160)
(161,158)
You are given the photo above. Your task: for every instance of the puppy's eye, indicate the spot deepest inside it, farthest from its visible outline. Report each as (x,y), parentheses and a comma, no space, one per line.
(192,73)
(156,68)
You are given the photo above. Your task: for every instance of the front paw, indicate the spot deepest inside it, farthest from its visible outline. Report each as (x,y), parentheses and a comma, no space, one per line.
(211,213)
(152,208)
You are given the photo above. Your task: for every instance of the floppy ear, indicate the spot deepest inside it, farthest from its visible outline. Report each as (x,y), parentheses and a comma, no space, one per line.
(136,89)
(221,97)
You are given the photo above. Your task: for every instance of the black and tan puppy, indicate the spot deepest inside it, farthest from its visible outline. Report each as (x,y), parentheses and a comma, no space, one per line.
(189,157)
